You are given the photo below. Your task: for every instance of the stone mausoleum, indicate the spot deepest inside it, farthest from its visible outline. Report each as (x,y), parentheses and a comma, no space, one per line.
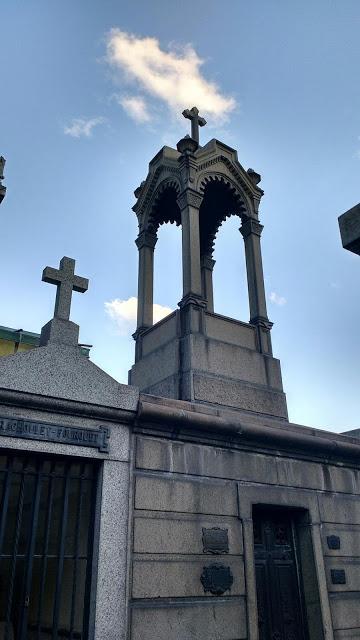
(185,505)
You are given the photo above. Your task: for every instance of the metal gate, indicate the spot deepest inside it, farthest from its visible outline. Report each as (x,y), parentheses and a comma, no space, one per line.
(46,537)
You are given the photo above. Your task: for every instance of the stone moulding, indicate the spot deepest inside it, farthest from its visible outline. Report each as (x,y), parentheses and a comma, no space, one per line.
(231,425)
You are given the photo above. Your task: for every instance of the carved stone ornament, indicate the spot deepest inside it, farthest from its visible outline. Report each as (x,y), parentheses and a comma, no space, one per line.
(249,227)
(333,542)
(189,198)
(216,578)
(338,576)
(215,540)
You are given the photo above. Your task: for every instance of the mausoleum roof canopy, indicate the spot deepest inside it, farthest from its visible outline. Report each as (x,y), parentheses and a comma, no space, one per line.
(214,167)
(191,167)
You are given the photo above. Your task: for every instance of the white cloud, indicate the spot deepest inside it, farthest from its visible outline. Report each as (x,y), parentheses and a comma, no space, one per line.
(276,299)
(82,127)
(135,107)
(124,312)
(172,76)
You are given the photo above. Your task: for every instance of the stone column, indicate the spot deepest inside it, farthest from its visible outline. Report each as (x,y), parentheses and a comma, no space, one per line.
(207,266)
(251,231)
(189,203)
(145,242)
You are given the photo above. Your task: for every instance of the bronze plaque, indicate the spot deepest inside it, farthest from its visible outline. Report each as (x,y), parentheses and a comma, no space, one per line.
(216,579)
(215,540)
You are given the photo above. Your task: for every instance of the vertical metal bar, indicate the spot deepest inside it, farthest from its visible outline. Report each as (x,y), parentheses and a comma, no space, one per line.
(5,500)
(49,507)
(14,554)
(76,559)
(30,556)
(89,553)
(89,618)
(61,557)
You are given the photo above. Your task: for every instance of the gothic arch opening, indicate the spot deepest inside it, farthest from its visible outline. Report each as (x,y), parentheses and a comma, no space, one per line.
(167,268)
(223,243)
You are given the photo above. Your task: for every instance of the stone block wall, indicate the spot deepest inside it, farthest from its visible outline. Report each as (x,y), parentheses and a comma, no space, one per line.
(180,488)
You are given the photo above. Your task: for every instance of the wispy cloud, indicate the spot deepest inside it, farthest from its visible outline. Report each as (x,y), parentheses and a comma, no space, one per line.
(124,312)
(135,107)
(276,299)
(174,77)
(82,127)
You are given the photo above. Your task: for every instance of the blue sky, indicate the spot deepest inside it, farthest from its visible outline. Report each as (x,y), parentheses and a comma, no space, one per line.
(78,132)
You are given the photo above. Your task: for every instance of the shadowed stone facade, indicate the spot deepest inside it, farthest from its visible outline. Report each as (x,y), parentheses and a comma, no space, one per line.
(196,510)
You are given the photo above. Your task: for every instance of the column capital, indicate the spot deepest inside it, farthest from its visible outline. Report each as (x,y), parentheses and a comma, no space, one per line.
(261,321)
(251,227)
(146,239)
(189,198)
(207,262)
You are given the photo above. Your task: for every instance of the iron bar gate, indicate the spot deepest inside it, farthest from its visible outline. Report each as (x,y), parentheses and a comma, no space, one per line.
(46,536)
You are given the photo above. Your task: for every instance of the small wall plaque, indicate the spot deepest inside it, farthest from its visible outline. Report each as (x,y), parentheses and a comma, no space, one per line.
(338,576)
(333,542)
(215,540)
(48,432)
(216,579)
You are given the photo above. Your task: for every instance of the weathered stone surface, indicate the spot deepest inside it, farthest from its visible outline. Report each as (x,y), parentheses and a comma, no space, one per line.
(351,567)
(196,496)
(204,461)
(239,394)
(162,333)
(348,634)
(183,534)
(180,578)
(341,509)
(349,536)
(212,619)
(232,331)
(156,366)
(62,371)
(111,609)
(345,611)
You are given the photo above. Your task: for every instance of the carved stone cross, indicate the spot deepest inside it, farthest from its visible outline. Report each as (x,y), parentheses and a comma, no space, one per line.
(196,121)
(66,282)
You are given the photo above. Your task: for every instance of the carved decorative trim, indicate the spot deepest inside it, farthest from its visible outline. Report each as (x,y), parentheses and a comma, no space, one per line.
(217,579)
(146,239)
(251,226)
(189,198)
(151,185)
(207,262)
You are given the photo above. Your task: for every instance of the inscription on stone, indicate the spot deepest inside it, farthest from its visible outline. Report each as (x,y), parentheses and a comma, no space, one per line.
(333,542)
(338,576)
(47,432)
(216,578)
(215,540)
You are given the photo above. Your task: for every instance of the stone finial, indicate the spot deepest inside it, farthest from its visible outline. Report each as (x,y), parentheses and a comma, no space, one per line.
(67,282)
(2,188)
(196,122)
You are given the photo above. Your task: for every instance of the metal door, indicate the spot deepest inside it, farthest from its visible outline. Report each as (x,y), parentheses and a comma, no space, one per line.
(278,585)
(46,534)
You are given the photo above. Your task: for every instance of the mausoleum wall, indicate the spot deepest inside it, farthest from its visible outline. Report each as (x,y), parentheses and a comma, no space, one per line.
(183,487)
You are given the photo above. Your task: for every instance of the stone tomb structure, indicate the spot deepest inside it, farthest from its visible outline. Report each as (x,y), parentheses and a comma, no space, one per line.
(184,506)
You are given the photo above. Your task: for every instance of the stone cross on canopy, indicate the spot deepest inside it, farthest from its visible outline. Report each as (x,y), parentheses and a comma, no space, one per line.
(66,282)
(196,122)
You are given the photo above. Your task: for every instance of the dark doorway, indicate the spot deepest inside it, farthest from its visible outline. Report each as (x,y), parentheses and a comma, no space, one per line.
(46,525)
(278,581)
